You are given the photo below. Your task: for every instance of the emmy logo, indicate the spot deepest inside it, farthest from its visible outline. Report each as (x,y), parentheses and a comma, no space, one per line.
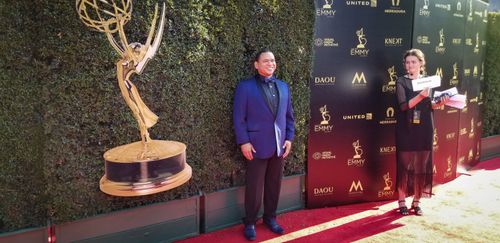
(477,40)
(395,2)
(441,38)
(478,148)
(357,150)
(474,72)
(426,4)
(328,5)
(143,167)
(470,155)
(476,48)
(455,71)
(459,6)
(324,114)
(449,164)
(471,126)
(361,38)
(470,8)
(392,76)
(482,69)
(388,182)
(435,138)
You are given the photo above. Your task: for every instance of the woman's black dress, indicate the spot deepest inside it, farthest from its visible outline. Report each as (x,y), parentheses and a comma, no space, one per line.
(414,136)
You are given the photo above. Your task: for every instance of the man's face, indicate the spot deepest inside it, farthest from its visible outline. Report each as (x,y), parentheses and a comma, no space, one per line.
(266,64)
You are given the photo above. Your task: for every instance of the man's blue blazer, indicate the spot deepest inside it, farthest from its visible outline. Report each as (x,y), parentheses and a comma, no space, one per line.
(254,121)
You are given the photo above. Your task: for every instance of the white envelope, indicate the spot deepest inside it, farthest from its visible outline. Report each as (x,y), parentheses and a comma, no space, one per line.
(427,82)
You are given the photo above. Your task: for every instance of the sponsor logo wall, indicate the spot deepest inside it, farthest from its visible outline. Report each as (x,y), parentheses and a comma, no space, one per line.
(470,126)
(358,57)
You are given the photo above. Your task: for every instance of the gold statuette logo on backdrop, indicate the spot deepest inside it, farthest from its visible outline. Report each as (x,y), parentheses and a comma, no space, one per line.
(426,4)
(476,47)
(478,149)
(448,171)
(390,87)
(435,145)
(481,77)
(471,131)
(328,5)
(326,9)
(360,49)
(454,80)
(469,16)
(386,192)
(147,166)
(440,48)
(356,159)
(324,125)
(324,115)
(424,10)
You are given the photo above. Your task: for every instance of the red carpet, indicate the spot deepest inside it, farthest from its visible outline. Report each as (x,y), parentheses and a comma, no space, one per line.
(350,222)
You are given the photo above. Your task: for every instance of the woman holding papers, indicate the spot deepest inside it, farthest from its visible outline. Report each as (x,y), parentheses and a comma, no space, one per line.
(414,134)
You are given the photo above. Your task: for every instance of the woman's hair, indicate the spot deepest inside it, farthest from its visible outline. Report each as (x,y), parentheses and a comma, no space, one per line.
(419,55)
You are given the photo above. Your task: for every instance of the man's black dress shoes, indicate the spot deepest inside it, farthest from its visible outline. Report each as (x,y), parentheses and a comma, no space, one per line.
(273,226)
(250,232)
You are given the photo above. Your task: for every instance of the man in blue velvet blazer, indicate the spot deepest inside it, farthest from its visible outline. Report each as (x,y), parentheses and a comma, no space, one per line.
(264,127)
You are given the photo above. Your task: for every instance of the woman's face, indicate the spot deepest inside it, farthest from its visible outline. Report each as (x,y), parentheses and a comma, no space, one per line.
(412,65)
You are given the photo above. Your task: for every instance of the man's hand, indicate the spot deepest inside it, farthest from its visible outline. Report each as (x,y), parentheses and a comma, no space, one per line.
(247,150)
(287,147)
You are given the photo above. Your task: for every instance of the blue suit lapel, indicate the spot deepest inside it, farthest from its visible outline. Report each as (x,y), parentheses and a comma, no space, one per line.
(282,92)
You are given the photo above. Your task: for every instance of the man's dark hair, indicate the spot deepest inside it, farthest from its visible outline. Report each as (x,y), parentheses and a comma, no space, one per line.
(263,50)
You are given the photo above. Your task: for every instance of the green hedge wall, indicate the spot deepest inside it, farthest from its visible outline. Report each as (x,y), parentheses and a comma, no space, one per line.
(61,107)
(491,87)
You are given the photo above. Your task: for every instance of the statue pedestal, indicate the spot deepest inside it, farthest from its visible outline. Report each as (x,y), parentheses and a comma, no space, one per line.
(163,168)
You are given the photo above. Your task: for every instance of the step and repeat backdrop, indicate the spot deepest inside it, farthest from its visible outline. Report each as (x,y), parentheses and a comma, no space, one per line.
(359,46)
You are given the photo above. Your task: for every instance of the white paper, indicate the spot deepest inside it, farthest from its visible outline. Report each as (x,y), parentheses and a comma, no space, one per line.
(427,82)
(456,100)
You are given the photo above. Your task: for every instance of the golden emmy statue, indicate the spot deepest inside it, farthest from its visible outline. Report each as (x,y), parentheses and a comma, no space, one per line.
(357,150)
(147,166)
(361,38)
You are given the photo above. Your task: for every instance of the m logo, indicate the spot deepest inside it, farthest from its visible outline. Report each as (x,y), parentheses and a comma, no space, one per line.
(356,186)
(358,78)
